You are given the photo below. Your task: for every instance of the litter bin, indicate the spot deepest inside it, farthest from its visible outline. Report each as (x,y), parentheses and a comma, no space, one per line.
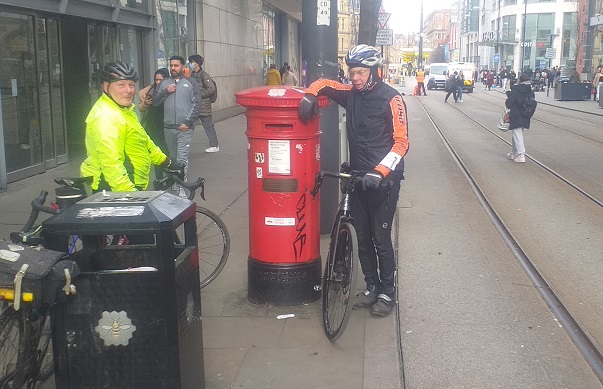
(136,319)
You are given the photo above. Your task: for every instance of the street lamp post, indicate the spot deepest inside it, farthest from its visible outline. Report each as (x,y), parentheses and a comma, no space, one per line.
(523,34)
(497,50)
(420,62)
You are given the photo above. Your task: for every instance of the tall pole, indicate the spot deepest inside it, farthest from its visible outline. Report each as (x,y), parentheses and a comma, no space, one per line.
(523,35)
(420,62)
(497,35)
(319,51)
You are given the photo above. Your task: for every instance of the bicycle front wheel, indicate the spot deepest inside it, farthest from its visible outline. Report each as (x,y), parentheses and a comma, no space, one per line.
(213,243)
(339,281)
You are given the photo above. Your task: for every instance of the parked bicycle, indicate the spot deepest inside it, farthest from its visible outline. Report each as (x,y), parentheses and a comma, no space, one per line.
(339,279)
(213,239)
(32,282)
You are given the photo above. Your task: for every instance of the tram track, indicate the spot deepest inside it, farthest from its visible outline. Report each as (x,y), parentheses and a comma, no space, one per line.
(589,348)
(553,111)
(533,159)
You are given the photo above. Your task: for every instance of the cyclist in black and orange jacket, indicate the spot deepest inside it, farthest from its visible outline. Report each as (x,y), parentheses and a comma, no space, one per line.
(377,134)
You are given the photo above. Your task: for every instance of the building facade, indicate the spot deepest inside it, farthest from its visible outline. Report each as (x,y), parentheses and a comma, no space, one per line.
(517,34)
(53,53)
(347,28)
(436,28)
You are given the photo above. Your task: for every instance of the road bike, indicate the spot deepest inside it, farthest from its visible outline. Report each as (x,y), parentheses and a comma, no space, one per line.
(339,279)
(213,239)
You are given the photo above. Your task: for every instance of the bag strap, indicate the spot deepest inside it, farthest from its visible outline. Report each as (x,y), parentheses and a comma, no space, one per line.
(18,283)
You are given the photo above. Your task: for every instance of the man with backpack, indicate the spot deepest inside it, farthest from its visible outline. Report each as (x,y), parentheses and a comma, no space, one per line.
(521,101)
(208,96)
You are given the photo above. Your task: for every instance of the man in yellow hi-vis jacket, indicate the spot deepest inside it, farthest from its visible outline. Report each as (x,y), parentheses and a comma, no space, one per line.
(119,151)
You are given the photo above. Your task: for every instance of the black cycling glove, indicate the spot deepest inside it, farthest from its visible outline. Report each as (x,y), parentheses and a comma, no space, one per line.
(371,180)
(177,168)
(308,107)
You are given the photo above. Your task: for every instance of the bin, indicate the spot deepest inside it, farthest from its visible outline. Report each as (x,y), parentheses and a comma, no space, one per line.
(284,264)
(573,91)
(136,319)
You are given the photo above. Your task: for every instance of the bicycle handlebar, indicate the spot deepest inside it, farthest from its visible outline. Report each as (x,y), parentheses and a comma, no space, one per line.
(37,206)
(173,176)
(351,176)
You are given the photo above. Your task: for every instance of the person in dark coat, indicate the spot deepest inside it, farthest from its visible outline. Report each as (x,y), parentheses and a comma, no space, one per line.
(517,122)
(152,116)
(450,87)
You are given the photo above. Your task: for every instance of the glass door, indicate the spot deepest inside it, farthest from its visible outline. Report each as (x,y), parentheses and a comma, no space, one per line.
(19,94)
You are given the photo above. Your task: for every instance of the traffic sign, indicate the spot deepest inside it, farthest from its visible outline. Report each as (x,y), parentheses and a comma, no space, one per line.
(385,37)
(383,20)
(496,58)
(550,53)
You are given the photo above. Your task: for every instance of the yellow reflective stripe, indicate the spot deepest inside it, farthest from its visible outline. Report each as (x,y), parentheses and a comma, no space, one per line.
(9,295)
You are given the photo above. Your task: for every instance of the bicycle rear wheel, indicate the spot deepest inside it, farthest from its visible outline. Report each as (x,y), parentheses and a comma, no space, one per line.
(213,243)
(46,360)
(14,339)
(339,281)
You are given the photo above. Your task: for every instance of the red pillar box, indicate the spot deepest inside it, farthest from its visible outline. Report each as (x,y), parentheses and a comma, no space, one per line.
(284,265)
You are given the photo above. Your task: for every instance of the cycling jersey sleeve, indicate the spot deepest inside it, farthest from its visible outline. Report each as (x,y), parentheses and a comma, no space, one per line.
(400,134)
(332,89)
(108,145)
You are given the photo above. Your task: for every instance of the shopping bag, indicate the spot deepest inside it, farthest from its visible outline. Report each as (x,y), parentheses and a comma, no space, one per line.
(503,123)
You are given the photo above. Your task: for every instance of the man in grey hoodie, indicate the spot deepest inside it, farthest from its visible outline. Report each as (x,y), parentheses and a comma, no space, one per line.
(181,99)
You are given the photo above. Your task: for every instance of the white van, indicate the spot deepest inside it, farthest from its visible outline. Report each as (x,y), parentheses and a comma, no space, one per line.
(437,75)
(469,71)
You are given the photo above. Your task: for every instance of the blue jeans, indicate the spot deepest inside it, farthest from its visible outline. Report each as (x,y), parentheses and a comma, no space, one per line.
(459,92)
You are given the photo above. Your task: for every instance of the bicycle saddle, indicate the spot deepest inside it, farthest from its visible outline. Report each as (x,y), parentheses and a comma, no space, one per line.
(74,182)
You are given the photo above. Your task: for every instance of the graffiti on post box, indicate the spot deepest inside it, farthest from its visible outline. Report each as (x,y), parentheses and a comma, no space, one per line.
(300,226)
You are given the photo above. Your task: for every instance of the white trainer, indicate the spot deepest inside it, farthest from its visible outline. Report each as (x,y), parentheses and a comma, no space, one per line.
(510,155)
(212,149)
(520,158)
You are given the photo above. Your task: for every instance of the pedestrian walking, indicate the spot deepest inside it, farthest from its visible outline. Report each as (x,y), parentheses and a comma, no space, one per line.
(521,103)
(377,133)
(181,99)
(289,78)
(489,80)
(460,83)
(503,75)
(273,77)
(597,82)
(208,89)
(450,87)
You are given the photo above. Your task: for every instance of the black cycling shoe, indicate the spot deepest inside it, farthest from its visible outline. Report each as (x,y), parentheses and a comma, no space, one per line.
(384,305)
(365,298)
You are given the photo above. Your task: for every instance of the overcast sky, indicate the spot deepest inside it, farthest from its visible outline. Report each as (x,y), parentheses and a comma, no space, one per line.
(406,14)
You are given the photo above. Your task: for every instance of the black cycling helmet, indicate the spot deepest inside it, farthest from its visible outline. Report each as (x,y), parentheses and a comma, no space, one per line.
(363,56)
(116,71)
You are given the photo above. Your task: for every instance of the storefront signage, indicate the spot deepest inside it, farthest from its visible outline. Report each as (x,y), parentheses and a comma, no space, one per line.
(489,36)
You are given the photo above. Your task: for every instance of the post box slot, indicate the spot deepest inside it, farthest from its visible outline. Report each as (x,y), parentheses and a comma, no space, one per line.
(279,127)
(276,185)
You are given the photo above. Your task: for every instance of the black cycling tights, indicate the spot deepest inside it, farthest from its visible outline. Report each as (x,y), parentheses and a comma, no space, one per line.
(373,212)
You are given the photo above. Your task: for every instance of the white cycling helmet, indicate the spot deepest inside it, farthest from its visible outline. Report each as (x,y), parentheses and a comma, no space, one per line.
(363,56)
